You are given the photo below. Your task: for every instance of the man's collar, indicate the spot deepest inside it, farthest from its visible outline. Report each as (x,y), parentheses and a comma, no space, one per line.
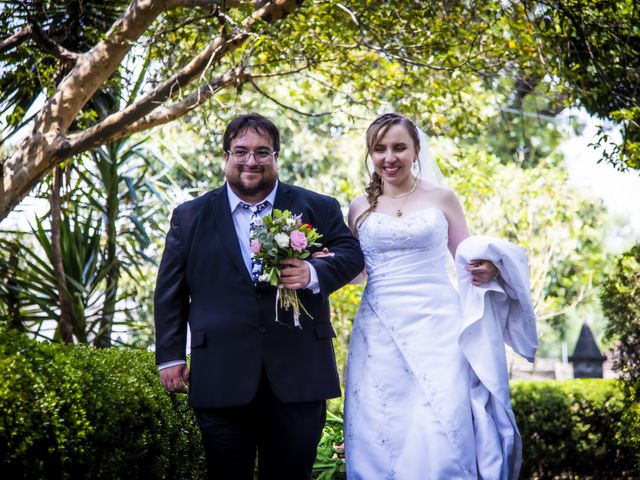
(234,200)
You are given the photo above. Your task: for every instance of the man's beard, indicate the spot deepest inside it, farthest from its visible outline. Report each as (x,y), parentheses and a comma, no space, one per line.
(263,187)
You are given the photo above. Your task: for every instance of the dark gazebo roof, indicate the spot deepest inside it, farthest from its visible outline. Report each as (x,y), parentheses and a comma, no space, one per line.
(586,347)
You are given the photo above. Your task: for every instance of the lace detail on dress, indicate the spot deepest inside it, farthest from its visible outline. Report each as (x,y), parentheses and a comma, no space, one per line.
(383,237)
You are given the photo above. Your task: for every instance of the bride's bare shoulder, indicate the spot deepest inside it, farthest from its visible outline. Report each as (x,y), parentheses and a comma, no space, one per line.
(359,203)
(357,206)
(438,191)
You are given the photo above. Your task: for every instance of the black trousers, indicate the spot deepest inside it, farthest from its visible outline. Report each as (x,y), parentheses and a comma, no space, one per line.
(284,435)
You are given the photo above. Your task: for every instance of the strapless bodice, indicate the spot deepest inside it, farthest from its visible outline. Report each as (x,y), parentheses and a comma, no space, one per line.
(415,244)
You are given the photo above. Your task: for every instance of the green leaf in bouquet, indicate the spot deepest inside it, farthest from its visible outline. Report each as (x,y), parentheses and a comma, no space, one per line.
(274,275)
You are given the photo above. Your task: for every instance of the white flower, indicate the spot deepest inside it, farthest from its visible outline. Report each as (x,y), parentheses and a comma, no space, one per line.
(282,239)
(291,222)
(263,278)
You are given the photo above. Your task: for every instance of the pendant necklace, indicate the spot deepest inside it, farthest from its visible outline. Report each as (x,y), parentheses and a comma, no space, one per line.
(402,195)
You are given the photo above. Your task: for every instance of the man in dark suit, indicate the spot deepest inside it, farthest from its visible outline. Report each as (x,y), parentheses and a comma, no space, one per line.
(254,383)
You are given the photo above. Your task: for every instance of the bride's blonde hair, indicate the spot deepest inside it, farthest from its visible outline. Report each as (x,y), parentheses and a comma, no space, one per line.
(375,132)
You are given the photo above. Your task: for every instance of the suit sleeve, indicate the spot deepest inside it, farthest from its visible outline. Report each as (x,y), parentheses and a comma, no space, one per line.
(171,298)
(348,261)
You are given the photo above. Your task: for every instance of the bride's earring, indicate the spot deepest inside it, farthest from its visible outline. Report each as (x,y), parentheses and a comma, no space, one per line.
(415,168)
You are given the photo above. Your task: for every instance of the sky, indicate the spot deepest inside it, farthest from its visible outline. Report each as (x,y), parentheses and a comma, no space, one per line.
(620,191)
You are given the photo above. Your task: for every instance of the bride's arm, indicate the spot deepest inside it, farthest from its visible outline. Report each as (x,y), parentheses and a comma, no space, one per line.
(482,271)
(458,230)
(357,206)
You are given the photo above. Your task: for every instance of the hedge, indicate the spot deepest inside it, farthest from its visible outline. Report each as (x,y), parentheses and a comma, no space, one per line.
(580,428)
(81,412)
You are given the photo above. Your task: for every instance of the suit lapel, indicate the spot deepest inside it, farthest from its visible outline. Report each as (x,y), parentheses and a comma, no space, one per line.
(284,197)
(224,222)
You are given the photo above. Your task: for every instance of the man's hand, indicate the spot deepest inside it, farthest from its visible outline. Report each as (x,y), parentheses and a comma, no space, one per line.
(175,379)
(323,253)
(295,273)
(482,271)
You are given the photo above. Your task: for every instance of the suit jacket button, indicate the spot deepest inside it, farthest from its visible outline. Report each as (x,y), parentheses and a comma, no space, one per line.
(262,330)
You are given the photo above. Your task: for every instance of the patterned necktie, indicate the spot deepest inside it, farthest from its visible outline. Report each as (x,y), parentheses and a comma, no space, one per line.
(256,264)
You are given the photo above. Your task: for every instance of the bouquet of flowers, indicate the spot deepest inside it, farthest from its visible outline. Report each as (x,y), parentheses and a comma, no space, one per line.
(283,235)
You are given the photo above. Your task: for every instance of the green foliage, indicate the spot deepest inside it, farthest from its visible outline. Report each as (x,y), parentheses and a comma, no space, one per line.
(593,48)
(120,180)
(344,305)
(329,462)
(114,210)
(620,299)
(524,132)
(429,60)
(576,429)
(33,283)
(82,412)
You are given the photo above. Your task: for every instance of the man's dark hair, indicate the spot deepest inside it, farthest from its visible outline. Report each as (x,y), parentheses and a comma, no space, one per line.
(259,124)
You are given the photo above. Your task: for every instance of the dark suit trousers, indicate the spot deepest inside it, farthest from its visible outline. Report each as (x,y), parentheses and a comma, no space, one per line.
(285,435)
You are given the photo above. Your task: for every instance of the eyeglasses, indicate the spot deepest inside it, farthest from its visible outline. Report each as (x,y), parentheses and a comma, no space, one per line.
(241,156)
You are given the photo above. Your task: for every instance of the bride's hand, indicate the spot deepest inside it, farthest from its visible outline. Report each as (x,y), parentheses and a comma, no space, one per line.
(323,253)
(482,271)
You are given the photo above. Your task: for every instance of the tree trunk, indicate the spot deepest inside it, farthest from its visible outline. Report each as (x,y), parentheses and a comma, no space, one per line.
(64,322)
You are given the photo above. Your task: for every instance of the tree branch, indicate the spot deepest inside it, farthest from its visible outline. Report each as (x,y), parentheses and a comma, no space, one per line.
(16,39)
(49,45)
(169,113)
(109,127)
(277,102)
(582,295)
(80,143)
(204,3)
(121,124)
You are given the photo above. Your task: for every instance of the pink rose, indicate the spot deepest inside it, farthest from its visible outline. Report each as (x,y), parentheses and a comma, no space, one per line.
(298,240)
(255,246)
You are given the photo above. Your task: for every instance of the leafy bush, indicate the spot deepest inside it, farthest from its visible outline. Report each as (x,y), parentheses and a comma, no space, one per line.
(576,429)
(82,412)
(620,299)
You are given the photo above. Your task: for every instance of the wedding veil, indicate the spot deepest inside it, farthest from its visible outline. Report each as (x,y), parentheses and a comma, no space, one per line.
(428,167)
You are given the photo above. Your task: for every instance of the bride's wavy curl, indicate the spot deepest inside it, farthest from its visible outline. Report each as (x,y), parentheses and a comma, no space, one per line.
(375,132)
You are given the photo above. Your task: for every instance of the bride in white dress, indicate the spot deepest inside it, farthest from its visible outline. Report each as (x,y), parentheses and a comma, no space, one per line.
(408,400)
